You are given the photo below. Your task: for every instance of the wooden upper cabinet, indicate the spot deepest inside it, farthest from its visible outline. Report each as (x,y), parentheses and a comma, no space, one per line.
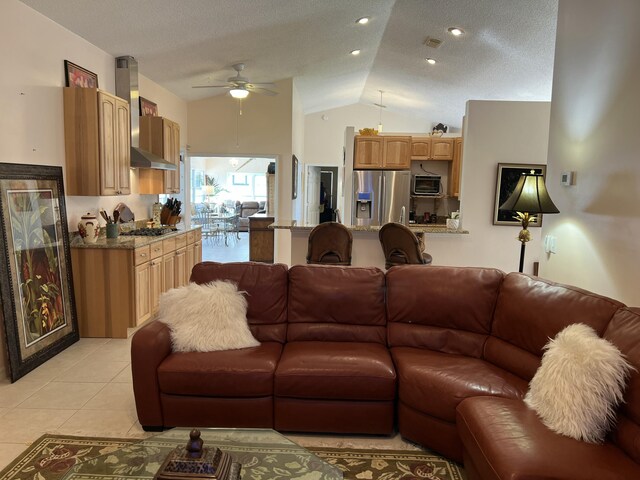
(456,169)
(160,136)
(432,148)
(97,143)
(382,152)
(172,177)
(397,153)
(368,152)
(123,145)
(421,148)
(442,148)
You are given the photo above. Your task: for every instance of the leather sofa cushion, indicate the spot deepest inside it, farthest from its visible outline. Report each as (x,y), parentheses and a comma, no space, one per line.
(336,370)
(266,287)
(323,297)
(247,372)
(531,310)
(434,382)
(503,438)
(448,298)
(624,331)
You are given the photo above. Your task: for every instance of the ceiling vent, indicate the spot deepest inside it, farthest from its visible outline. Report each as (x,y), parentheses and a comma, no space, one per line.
(432,42)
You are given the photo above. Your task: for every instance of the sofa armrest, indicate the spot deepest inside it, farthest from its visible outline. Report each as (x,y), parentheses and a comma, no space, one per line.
(149,347)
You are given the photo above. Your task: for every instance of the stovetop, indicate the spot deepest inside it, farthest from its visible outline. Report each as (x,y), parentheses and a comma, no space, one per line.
(149,232)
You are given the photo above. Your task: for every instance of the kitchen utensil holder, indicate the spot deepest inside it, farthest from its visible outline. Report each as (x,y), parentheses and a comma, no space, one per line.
(112,230)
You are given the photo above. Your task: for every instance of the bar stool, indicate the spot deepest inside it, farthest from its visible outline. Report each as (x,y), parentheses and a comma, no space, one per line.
(330,243)
(401,246)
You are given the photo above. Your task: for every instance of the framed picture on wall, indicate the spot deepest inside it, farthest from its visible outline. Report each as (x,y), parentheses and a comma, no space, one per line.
(76,76)
(294,178)
(508,175)
(148,108)
(36,285)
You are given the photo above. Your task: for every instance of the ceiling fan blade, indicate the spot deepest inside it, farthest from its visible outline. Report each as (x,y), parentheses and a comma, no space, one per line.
(263,91)
(261,85)
(210,86)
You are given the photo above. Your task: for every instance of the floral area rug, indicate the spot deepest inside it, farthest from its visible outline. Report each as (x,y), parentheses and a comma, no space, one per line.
(52,456)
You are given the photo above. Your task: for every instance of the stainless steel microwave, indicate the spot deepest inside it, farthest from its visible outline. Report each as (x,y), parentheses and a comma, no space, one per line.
(427,185)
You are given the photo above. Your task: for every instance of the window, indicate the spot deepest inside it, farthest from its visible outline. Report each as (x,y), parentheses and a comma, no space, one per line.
(240,179)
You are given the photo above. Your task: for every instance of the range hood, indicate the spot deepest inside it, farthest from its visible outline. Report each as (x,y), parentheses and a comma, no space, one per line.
(127,88)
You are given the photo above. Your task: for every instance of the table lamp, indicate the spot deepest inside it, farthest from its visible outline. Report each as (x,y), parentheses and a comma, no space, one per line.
(529,198)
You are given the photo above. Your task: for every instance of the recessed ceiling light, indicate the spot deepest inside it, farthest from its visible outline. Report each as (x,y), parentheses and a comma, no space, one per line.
(363,20)
(355,52)
(455,31)
(430,61)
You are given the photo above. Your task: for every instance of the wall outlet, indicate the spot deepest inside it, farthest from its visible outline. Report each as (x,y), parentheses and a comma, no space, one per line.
(549,244)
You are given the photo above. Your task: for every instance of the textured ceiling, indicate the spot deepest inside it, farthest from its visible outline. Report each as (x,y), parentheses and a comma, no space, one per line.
(506,54)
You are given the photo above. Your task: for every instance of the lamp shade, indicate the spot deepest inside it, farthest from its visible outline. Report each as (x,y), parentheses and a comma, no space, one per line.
(530,196)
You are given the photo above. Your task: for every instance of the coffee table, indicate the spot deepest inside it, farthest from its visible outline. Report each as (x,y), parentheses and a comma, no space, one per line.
(263,453)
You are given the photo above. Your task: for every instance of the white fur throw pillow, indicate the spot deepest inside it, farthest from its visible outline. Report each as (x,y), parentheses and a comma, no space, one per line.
(206,318)
(579,384)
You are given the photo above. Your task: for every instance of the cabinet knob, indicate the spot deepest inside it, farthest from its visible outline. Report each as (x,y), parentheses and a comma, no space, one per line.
(143,254)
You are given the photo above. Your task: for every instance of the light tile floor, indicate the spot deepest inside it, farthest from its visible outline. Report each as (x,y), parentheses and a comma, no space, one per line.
(216,251)
(87,390)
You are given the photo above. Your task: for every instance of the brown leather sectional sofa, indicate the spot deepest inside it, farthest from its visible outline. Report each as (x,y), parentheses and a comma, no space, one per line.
(444,353)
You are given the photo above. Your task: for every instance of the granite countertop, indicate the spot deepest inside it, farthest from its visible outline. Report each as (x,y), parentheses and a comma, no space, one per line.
(292,225)
(125,241)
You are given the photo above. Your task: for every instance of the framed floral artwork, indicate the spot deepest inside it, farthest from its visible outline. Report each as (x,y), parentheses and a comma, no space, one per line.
(76,76)
(148,108)
(36,284)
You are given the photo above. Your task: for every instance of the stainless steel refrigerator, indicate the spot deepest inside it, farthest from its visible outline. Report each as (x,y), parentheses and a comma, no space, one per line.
(380,196)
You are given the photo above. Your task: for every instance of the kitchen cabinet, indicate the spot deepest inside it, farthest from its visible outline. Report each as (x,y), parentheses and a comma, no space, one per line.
(97,135)
(260,238)
(119,288)
(143,292)
(160,136)
(432,148)
(456,169)
(192,253)
(382,152)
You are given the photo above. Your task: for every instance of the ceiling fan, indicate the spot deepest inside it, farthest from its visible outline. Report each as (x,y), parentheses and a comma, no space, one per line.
(239,86)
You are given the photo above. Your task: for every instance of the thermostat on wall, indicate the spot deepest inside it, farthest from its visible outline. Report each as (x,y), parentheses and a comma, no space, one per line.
(567,178)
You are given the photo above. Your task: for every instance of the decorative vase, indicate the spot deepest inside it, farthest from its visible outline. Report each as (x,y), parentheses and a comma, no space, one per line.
(89,228)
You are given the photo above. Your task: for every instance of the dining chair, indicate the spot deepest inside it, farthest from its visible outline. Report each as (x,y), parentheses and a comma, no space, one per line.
(401,246)
(330,243)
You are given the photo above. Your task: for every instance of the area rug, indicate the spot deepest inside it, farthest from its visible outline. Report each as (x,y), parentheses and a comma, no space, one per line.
(52,456)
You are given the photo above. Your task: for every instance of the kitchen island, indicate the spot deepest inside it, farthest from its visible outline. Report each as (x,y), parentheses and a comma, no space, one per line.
(118,282)
(366,250)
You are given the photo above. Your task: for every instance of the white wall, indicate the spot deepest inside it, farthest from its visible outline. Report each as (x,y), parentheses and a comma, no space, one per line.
(495,132)
(33,49)
(594,132)
(324,139)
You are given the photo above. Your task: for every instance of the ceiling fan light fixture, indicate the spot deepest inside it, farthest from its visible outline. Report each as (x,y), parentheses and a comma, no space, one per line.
(455,31)
(363,20)
(239,93)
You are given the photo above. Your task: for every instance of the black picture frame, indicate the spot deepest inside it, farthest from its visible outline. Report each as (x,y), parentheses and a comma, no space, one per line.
(294,178)
(148,108)
(508,175)
(36,282)
(77,76)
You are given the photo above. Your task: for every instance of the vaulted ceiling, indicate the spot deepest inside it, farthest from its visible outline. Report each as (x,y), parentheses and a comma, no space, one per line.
(506,52)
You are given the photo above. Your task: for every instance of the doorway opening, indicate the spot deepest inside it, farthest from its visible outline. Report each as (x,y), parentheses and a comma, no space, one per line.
(321,194)
(225,191)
